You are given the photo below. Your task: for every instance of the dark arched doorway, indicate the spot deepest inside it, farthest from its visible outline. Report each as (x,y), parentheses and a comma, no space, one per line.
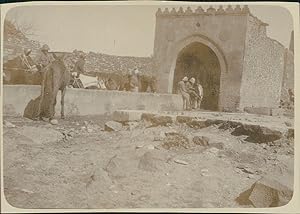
(199,61)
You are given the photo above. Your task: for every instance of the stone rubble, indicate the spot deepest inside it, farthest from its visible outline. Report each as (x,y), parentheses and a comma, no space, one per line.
(113,126)
(266,193)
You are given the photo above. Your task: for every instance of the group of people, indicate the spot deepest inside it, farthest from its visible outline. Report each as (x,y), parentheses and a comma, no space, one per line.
(191,92)
(137,81)
(134,81)
(43,59)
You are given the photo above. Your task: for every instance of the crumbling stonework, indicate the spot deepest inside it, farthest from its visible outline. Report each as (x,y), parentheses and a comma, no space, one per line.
(263,68)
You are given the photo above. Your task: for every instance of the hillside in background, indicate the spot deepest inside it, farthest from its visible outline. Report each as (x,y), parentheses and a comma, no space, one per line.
(15,42)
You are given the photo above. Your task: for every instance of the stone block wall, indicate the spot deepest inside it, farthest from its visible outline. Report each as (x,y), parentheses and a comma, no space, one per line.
(263,68)
(90,102)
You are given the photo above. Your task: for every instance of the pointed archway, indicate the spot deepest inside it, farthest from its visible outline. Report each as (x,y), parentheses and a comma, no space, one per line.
(199,61)
(199,57)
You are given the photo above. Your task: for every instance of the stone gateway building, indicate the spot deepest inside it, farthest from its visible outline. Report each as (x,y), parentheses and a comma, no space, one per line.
(228,51)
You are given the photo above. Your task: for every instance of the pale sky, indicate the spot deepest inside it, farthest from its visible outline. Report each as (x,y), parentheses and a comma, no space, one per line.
(120,30)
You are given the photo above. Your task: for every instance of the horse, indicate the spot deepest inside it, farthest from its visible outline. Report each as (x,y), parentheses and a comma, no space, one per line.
(17,71)
(55,77)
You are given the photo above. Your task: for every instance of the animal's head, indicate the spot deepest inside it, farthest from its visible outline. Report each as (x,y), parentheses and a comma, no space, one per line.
(59,57)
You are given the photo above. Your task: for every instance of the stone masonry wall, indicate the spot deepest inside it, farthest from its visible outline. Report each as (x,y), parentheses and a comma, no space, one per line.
(288,77)
(104,63)
(92,102)
(263,68)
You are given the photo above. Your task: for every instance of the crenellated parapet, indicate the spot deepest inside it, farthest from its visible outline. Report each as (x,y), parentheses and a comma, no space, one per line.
(230,10)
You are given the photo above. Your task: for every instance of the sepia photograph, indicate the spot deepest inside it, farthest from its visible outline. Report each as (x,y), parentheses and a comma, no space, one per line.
(147,106)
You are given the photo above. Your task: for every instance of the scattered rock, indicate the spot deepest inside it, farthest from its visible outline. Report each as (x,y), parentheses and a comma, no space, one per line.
(159,137)
(181,162)
(217,145)
(150,147)
(250,176)
(113,126)
(183,119)
(210,122)
(290,134)
(266,193)
(89,130)
(126,115)
(213,150)
(277,112)
(229,125)
(25,190)
(197,124)
(204,172)
(118,167)
(54,122)
(8,124)
(132,125)
(246,169)
(158,120)
(171,133)
(288,124)
(175,142)
(201,140)
(151,161)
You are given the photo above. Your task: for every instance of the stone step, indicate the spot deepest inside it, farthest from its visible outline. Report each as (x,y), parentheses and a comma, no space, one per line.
(258,130)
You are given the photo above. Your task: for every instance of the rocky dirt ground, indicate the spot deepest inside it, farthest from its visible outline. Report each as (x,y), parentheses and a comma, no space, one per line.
(81,164)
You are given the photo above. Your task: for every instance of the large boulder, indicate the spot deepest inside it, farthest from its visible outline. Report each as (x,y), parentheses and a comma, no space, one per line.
(257,134)
(152,161)
(266,193)
(229,125)
(158,120)
(113,126)
(197,124)
(183,119)
(127,115)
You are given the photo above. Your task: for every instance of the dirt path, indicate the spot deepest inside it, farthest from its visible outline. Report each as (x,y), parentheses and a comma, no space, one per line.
(79,165)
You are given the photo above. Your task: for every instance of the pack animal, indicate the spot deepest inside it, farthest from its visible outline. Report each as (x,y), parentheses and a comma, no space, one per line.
(55,78)
(17,72)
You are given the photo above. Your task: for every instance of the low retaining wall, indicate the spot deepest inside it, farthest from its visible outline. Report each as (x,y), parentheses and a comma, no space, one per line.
(90,102)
